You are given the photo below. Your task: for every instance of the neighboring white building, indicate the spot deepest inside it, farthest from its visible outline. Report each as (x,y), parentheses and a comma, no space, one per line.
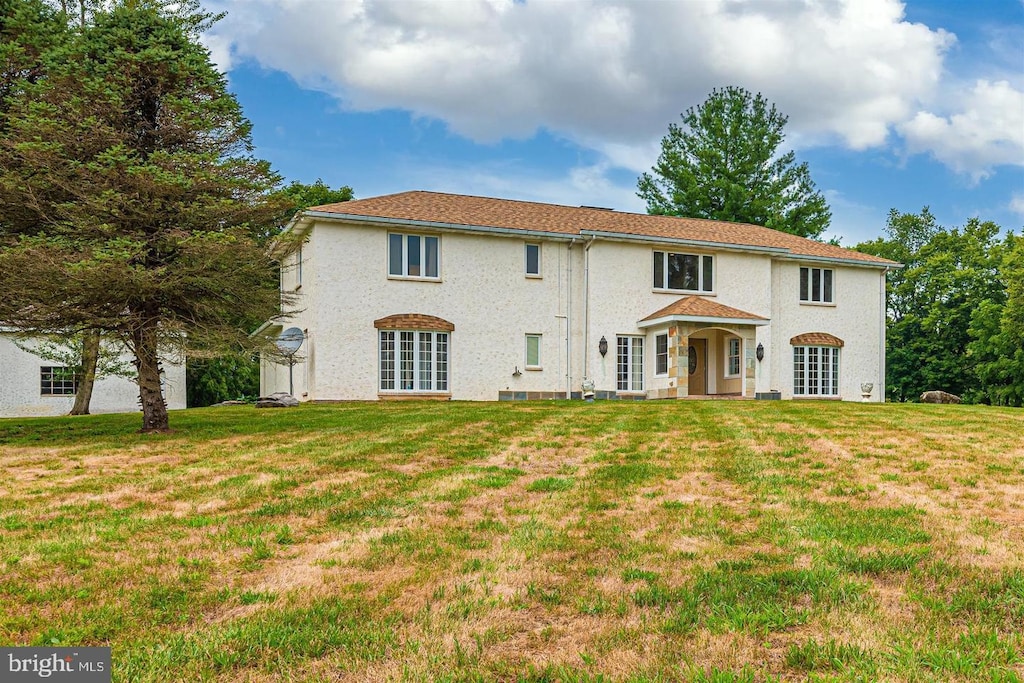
(421,294)
(32,387)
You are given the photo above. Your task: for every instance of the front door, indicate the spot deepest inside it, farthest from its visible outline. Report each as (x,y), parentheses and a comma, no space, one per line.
(698,358)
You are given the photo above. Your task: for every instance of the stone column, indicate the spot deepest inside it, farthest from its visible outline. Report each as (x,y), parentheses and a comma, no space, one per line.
(678,358)
(749,387)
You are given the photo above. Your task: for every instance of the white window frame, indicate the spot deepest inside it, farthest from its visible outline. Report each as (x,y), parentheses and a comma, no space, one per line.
(405,269)
(662,284)
(660,357)
(539,340)
(53,381)
(730,342)
(298,268)
(816,371)
(631,364)
(413,361)
(526,260)
(808,296)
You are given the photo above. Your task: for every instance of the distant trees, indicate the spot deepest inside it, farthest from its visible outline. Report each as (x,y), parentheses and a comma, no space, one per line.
(318,193)
(725,163)
(997,331)
(130,202)
(949,323)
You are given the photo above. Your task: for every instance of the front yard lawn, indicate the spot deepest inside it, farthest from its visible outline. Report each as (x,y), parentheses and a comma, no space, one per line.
(689,540)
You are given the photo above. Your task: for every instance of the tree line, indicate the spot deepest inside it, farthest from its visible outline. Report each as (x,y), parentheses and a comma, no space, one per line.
(955,310)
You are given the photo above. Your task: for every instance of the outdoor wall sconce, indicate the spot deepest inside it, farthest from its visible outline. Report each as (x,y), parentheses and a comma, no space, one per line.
(602,347)
(517,372)
(760,352)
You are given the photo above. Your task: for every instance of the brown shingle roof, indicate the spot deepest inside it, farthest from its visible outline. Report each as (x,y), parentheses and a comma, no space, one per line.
(413,321)
(463,210)
(698,306)
(816,339)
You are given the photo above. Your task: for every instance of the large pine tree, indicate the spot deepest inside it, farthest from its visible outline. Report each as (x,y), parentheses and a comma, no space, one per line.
(724,163)
(130,196)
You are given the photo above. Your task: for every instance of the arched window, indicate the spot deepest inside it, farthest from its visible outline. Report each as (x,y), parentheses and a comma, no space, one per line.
(816,364)
(413,353)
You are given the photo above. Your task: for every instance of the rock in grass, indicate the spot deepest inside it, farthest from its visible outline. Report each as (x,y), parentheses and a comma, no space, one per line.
(278,399)
(939,397)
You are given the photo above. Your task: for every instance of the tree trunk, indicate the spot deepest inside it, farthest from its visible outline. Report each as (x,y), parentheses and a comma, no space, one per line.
(90,356)
(154,409)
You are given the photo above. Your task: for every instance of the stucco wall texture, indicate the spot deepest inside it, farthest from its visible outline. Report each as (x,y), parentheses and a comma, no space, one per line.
(20,394)
(588,289)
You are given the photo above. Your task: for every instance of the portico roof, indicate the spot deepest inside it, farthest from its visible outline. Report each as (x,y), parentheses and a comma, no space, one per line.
(698,309)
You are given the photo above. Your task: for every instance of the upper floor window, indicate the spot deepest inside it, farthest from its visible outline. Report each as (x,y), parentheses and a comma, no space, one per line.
(532,260)
(413,255)
(55,380)
(683,272)
(816,285)
(298,268)
(733,356)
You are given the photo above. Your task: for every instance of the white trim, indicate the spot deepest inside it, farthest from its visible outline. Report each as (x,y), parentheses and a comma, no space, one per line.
(404,275)
(728,356)
(540,260)
(539,365)
(266,326)
(635,340)
(700,272)
(416,351)
(807,258)
(681,241)
(664,320)
(834,369)
(656,354)
(810,286)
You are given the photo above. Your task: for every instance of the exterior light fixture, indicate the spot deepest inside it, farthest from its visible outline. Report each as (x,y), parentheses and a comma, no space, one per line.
(760,352)
(602,347)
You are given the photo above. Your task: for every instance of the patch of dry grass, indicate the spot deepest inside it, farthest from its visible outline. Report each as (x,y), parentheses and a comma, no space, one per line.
(541,541)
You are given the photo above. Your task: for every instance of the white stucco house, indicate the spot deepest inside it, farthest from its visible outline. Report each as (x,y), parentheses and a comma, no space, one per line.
(31,386)
(430,295)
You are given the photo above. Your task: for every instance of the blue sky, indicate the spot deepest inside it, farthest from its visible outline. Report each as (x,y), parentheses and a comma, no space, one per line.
(892,105)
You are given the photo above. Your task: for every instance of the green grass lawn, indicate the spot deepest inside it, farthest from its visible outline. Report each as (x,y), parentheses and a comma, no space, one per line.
(652,541)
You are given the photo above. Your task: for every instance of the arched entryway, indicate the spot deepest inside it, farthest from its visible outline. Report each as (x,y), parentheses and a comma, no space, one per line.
(709,349)
(715,360)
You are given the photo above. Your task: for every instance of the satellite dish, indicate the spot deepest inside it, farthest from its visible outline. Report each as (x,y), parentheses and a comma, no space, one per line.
(290,340)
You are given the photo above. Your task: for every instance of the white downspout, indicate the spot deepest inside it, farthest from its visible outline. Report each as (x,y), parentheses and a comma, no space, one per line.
(568,321)
(586,307)
(881,336)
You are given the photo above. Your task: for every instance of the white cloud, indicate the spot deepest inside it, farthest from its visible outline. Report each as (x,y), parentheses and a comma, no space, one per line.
(219,46)
(1017,203)
(600,70)
(988,131)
